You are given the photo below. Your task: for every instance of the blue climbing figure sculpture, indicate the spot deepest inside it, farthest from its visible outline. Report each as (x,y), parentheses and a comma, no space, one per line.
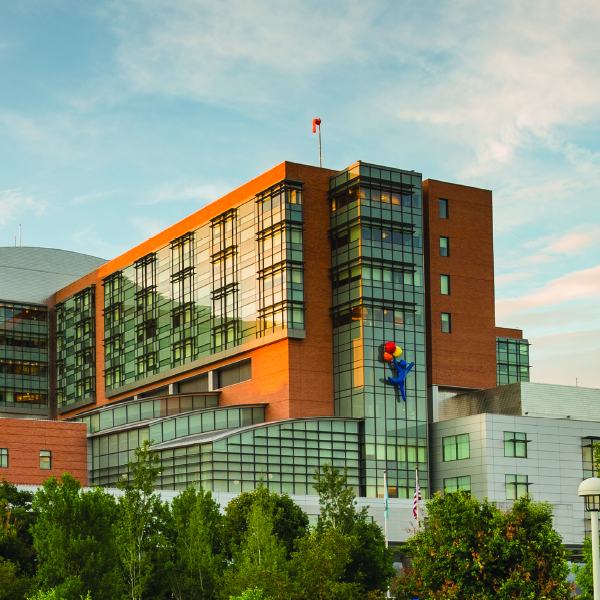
(403,368)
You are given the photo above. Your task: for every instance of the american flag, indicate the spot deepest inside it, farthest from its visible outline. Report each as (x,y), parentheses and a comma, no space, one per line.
(417,496)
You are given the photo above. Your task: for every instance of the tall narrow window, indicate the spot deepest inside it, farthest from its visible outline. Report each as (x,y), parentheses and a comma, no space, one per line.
(445,285)
(446,323)
(444,246)
(45,460)
(3,458)
(443,204)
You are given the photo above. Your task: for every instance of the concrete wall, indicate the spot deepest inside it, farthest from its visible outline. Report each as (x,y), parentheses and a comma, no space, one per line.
(553,464)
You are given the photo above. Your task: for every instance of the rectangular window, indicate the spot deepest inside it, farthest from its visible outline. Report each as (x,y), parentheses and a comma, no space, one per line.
(515,444)
(235,374)
(516,486)
(45,460)
(3,458)
(452,484)
(445,285)
(444,246)
(443,204)
(456,447)
(446,323)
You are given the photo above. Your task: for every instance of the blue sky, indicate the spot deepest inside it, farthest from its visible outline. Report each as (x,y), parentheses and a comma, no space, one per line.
(120,118)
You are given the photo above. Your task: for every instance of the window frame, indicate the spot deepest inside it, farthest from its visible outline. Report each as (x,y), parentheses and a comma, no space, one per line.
(517,442)
(4,454)
(445,278)
(519,482)
(443,208)
(448,321)
(454,443)
(458,486)
(46,456)
(446,248)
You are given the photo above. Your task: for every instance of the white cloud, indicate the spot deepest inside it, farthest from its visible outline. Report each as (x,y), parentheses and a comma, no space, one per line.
(573,287)
(16,207)
(147,226)
(178,192)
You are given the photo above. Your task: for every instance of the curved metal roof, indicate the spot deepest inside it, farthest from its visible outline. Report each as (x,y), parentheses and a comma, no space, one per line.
(32,275)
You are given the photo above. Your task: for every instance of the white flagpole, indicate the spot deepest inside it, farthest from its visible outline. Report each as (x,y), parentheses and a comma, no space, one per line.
(385,505)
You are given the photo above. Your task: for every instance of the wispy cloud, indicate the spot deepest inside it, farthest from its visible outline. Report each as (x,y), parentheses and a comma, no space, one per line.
(181,192)
(148,226)
(573,287)
(14,204)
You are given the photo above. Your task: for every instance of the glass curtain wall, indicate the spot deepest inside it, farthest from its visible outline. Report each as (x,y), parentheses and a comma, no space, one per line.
(23,356)
(377,272)
(512,360)
(236,278)
(76,349)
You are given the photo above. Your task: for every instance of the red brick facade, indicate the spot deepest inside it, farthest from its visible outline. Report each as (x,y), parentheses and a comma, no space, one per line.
(25,438)
(466,357)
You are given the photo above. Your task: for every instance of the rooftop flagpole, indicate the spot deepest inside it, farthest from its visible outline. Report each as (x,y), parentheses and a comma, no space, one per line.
(315,123)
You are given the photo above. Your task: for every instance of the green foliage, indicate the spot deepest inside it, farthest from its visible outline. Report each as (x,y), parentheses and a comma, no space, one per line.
(13,585)
(260,560)
(253,594)
(339,506)
(583,573)
(473,550)
(370,563)
(16,519)
(53,595)
(198,559)
(140,529)
(289,520)
(75,540)
(319,565)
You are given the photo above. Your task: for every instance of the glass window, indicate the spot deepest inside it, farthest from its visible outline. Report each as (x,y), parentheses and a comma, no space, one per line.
(446,323)
(456,447)
(515,444)
(3,458)
(443,204)
(452,484)
(45,460)
(445,285)
(516,486)
(444,246)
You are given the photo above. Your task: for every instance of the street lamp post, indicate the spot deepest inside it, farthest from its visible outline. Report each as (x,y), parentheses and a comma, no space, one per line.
(590,490)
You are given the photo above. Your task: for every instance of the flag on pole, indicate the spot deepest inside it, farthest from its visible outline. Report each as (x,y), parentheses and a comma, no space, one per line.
(417,496)
(315,123)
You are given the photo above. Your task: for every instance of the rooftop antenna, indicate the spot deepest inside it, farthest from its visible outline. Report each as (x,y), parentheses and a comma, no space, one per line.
(315,123)
(15,241)
(19,235)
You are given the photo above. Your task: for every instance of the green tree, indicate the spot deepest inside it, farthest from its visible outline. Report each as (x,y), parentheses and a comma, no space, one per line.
(339,506)
(13,585)
(289,520)
(370,563)
(75,540)
(140,527)
(16,518)
(198,558)
(471,549)
(318,567)
(583,573)
(260,560)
